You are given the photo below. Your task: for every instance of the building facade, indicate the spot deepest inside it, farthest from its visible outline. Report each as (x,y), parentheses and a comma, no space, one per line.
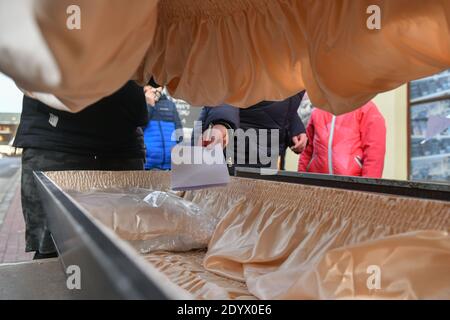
(8,128)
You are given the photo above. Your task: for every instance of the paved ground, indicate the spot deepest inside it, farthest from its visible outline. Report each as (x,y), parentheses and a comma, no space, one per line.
(12,227)
(9,170)
(20,277)
(38,279)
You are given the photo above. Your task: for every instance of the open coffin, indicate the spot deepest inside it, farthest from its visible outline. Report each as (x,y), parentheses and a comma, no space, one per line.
(273,240)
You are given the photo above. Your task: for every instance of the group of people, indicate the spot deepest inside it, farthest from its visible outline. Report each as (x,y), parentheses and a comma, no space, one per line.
(133,128)
(352,144)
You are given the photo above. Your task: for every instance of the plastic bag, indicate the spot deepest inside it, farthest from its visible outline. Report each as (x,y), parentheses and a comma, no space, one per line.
(150,220)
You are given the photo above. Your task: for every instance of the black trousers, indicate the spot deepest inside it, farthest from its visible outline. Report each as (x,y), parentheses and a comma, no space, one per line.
(37,234)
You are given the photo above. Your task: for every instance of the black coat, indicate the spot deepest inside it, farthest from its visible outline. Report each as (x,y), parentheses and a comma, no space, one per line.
(109,128)
(281,115)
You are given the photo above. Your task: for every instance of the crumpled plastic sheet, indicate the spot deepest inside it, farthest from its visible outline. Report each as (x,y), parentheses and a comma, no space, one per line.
(150,220)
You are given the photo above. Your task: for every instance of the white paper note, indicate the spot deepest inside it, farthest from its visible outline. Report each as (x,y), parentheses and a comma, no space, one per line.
(198,167)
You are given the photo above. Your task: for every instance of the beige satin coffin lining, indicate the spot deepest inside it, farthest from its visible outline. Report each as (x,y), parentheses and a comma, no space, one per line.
(296,241)
(187,271)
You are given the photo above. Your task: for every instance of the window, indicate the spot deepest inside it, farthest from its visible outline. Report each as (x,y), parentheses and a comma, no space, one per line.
(429,122)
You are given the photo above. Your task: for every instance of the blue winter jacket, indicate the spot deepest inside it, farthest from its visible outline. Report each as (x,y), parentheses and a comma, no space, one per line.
(164,120)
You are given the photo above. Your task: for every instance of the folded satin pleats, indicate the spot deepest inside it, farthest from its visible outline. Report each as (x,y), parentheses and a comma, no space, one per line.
(290,241)
(236,51)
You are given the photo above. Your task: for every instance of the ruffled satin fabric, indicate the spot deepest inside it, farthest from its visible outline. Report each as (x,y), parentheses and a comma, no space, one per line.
(187,271)
(289,241)
(236,51)
(300,242)
(241,52)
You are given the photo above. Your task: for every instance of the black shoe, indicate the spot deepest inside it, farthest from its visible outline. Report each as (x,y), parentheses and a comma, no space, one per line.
(39,255)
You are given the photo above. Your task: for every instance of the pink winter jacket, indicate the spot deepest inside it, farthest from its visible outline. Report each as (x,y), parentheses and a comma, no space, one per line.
(352,144)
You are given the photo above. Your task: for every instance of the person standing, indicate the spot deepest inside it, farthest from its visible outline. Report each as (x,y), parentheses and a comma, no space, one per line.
(352,144)
(105,136)
(280,116)
(159,134)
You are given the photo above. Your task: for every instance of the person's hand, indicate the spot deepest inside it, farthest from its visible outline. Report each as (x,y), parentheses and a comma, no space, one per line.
(152,95)
(300,142)
(218,134)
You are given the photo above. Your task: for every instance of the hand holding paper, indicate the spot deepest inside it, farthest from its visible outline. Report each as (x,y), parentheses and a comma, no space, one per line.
(198,167)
